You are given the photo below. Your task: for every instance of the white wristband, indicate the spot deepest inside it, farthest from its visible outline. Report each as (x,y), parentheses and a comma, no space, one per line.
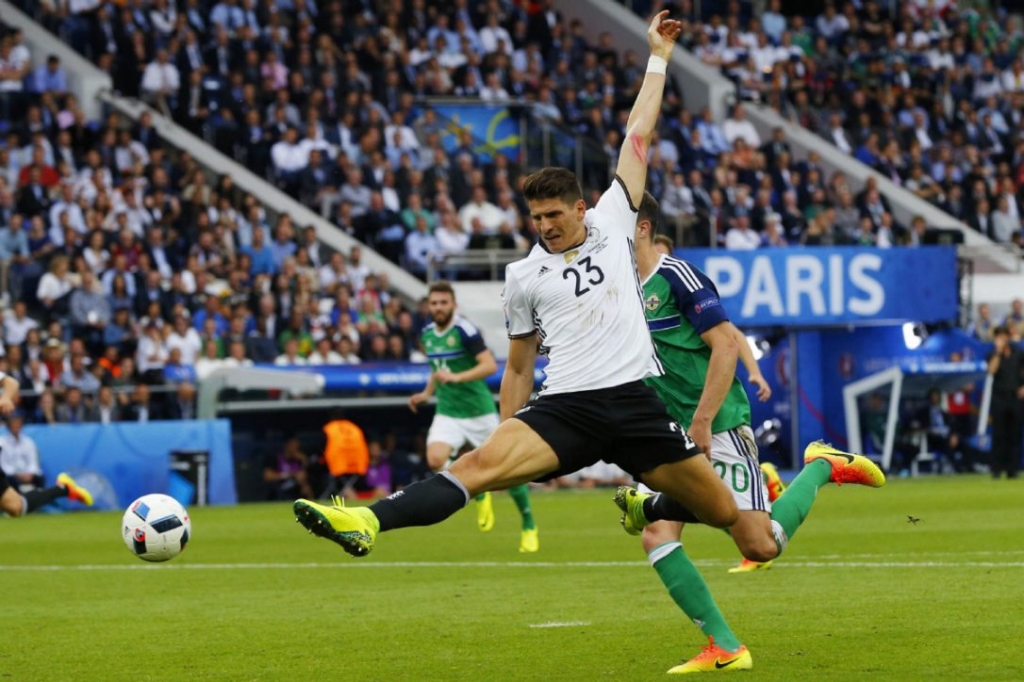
(657,65)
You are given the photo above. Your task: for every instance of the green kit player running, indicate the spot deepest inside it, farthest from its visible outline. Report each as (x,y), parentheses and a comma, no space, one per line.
(698,348)
(466,415)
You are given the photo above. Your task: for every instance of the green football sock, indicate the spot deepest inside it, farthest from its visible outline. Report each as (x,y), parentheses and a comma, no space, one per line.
(480,497)
(521,495)
(687,588)
(792,507)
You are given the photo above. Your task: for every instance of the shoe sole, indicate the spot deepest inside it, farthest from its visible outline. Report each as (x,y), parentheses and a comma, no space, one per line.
(317,524)
(759,567)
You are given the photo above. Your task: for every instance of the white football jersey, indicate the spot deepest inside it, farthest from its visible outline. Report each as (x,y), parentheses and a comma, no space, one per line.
(585,304)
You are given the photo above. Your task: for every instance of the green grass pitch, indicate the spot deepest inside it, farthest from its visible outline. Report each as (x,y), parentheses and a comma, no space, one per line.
(861,594)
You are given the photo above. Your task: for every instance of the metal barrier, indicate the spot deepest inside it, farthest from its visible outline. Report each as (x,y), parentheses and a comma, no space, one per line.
(492,259)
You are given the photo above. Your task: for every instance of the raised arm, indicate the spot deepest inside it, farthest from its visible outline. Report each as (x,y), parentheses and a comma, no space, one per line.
(632,166)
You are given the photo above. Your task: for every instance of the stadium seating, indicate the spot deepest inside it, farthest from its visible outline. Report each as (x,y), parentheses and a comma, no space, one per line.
(930,97)
(325,100)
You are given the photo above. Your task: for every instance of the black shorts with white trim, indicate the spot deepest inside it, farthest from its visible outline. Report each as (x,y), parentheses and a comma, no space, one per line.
(626,425)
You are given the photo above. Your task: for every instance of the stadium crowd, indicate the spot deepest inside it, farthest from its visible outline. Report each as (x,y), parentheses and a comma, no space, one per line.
(124,265)
(326,100)
(128,275)
(931,97)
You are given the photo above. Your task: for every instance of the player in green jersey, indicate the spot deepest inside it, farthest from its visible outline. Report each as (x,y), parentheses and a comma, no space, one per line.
(466,414)
(699,348)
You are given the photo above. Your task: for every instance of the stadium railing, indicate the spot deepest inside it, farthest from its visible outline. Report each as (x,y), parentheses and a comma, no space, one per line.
(493,261)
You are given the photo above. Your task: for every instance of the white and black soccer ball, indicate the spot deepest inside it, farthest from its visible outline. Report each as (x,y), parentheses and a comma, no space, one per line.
(156,528)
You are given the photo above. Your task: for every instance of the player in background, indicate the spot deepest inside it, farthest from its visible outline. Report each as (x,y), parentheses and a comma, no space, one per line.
(699,347)
(14,503)
(770,474)
(460,362)
(576,298)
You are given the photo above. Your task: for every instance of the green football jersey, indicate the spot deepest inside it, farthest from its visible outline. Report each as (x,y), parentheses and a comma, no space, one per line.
(681,303)
(456,349)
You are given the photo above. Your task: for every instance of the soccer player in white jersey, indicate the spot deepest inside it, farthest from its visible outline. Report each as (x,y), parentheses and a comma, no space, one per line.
(14,503)
(577,299)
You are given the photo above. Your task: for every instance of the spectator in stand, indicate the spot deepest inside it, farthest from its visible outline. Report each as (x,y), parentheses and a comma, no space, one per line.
(151,354)
(325,354)
(421,247)
(772,235)
(210,360)
(140,408)
(182,404)
(1014,320)
(161,82)
(90,312)
(19,456)
(176,371)
(737,127)
(54,290)
(490,216)
(78,376)
(261,256)
(346,348)
(120,333)
(288,473)
(982,326)
(72,410)
(105,409)
(210,313)
(740,236)
(236,356)
(185,339)
(290,356)
(17,324)
(50,77)
(333,274)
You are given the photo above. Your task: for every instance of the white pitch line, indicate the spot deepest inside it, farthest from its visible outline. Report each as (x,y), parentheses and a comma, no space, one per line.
(555,624)
(492,564)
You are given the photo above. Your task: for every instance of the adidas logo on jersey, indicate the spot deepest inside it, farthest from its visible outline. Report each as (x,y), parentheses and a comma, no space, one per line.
(544,270)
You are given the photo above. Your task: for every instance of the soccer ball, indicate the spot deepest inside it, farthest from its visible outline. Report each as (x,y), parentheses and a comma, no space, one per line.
(156,528)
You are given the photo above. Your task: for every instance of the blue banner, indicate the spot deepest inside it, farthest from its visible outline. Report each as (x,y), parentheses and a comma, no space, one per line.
(493,129)
(827,286)
(392,376)
(135,458)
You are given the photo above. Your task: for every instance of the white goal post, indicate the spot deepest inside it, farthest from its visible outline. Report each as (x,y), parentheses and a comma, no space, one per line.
(912,379)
